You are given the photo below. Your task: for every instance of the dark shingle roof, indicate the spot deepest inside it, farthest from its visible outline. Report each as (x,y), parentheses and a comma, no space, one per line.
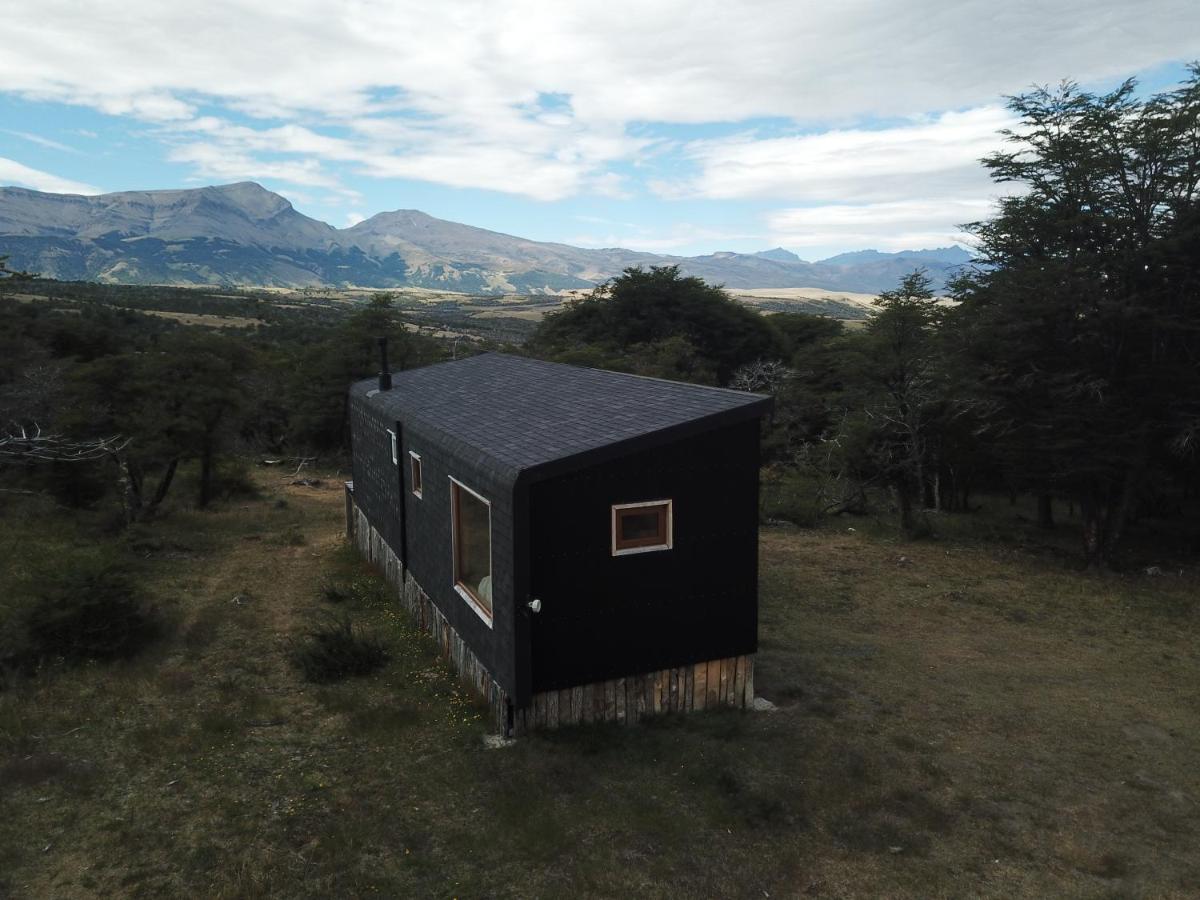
(520,414)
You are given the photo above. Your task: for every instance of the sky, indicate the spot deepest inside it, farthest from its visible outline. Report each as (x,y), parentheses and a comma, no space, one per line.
(674,126)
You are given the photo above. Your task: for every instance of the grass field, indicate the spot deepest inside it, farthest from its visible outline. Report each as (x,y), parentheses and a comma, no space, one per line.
(960,717)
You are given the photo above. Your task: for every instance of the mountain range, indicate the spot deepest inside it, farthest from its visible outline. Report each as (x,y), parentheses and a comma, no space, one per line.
(243,234)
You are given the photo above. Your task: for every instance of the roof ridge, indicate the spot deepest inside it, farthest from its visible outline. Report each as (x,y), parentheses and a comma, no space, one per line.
(521,412)
(614,372)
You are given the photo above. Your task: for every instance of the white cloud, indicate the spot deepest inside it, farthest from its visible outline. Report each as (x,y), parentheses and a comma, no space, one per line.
(940,154)
(353,218)
(41,141)
(451,92)
(13,172)
(893,225)
(617,60)
(903,187)
(220,163)
(678,239)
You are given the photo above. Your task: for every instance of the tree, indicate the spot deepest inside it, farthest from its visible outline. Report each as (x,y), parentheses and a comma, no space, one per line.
(180,400)
(318,385)
(1083,325)
(657,319)
(900,370)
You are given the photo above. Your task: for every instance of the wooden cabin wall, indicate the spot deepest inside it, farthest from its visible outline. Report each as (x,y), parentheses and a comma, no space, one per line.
(606,616)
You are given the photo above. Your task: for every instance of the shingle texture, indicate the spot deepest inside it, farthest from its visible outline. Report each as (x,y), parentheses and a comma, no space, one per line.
(513,414)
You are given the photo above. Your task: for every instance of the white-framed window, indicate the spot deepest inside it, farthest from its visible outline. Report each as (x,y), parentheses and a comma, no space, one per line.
(395,450)
(414,471)
(471,530)
(642,527)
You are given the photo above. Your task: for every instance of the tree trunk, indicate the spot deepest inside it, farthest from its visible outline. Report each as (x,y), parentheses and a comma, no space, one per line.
(131,488)
(164,485)
(1123,508)
(922,487)
(904,501)
(1094,516)
(1104,521)
(206,473)
(1045,513)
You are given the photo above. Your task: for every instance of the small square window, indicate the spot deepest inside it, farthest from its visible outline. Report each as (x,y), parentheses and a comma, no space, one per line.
(414,468)
(395,452)
(641,527)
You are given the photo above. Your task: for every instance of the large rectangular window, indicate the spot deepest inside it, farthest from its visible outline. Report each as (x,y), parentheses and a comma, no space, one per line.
(471,517)
(414,466)
(641,527)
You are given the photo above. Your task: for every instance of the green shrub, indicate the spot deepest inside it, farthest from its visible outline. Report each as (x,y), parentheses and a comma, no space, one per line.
(334,649)
(97,615)
(336,591)
(292,537)
(93,613)
(367,591)
(235,481)
(232,481)
(790,498)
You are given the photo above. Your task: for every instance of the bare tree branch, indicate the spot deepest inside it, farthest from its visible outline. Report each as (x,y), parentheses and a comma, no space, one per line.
(20,444)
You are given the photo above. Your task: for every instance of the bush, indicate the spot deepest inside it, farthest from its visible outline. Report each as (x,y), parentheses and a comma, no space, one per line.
(74,485)
(367,591)
(334,649)
(235,481)
(232,480)
(336,591)
(292,537)
(790,498)
(92,614)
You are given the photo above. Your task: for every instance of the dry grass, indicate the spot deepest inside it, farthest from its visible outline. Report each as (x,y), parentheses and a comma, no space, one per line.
(755,295)
(208,321)
(528,313)
(957,718)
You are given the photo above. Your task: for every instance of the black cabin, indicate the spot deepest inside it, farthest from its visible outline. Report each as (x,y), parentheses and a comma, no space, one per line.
(583,544)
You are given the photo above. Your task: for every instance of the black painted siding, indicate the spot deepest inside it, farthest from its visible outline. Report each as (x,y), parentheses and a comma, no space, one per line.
(604,616)
(377,490)
(376,480)
(430,547)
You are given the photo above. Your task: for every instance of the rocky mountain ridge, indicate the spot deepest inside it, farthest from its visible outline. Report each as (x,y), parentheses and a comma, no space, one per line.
(244,234)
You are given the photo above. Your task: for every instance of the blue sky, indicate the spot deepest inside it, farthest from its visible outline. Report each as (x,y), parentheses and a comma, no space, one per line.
(678,127)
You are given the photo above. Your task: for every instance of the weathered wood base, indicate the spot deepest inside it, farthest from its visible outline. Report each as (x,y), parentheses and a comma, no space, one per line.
(704,685)
(694,687)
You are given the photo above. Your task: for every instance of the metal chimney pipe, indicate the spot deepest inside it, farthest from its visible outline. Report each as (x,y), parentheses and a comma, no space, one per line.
(385,374)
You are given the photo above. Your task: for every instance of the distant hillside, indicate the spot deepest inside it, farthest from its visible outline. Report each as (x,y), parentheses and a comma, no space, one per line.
(942,256)
(779,255)
(245,234)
